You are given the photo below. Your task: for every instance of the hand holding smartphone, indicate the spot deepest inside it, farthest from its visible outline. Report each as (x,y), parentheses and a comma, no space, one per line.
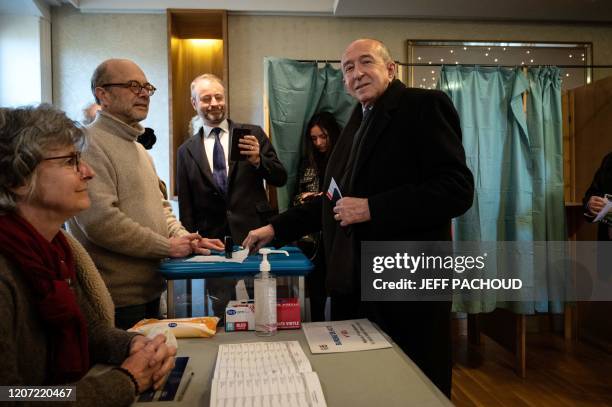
(237,134)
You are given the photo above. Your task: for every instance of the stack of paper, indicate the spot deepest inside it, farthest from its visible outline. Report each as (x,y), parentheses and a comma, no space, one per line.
(237,257)
(265,374)
(343,336)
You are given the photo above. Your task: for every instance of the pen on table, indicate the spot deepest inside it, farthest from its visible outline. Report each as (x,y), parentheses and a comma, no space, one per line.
(182,393)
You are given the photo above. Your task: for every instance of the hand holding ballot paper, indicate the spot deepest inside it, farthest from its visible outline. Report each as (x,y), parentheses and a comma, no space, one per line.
(600,208)
(347,210)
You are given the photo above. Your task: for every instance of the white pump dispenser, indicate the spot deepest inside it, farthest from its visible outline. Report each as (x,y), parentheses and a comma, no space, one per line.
(265,297)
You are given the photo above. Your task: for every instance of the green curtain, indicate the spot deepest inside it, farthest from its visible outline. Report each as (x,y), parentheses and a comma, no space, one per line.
(544,122)
(517,162)
(296,91)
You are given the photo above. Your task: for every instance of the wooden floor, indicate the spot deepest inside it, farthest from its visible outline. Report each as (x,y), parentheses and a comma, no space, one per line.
(559,373)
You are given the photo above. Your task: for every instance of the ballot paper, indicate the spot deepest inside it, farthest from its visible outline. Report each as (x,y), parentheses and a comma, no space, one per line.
(604,211)
(343,336)
(333,192)
(237,257)
(265,374)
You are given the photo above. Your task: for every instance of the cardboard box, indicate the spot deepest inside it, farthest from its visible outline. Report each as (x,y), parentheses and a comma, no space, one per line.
(240,315)
(288,313)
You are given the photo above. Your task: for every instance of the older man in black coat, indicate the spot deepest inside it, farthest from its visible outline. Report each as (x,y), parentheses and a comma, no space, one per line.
(401,168)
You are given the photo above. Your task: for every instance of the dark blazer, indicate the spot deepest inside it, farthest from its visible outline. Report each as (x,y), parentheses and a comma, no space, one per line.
(203,207)
(411,167)
(601,185)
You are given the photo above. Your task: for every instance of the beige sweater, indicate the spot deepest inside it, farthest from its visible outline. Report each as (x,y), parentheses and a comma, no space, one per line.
(127,227)
(23,336)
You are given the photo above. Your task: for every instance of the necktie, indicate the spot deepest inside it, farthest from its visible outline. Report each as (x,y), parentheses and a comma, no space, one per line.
(219,172)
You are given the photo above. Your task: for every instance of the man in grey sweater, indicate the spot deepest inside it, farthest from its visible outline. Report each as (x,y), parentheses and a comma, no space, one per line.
(129,226)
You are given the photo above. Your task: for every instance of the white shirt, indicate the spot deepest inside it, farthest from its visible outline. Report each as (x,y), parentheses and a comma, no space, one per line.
(209,142)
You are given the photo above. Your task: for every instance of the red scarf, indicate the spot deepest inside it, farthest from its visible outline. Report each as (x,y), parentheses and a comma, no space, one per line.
(49,269)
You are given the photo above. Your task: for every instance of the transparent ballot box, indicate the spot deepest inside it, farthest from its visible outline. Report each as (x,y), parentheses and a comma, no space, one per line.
(201,289)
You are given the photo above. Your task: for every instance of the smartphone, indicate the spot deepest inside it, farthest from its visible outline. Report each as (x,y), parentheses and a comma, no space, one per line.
(237,134)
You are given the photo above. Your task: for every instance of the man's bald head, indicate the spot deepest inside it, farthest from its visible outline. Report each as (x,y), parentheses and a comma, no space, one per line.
(102,74)
(378,46)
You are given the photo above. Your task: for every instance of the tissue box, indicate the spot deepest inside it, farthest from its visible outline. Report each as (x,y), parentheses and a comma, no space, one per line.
(240,315)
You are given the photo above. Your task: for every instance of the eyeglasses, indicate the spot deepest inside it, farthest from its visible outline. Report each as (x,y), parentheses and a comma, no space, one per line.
(134,86)
(74,160)
(208,98)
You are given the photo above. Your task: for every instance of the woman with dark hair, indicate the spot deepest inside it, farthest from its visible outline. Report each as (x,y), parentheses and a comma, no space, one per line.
(56,315)
(321,135)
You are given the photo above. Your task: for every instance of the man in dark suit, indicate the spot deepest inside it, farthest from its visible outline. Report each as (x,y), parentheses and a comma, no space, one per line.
(596,197)
(217,196)
(401,168)
(220,195)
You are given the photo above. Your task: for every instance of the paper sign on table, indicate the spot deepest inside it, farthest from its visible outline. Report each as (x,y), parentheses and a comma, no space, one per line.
(343,336)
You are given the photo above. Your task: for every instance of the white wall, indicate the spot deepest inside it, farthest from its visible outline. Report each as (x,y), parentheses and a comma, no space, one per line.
(21,66)
(251,38)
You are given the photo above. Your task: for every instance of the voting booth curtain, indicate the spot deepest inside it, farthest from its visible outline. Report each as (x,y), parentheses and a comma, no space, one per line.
(295,92)
(514,148)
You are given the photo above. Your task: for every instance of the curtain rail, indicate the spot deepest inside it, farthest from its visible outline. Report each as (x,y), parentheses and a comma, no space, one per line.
(482,65)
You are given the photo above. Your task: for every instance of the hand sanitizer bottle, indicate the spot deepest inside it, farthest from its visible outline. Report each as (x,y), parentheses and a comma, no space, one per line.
(265,297)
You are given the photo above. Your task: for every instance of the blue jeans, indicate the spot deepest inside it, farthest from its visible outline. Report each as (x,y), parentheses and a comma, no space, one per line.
(126,317)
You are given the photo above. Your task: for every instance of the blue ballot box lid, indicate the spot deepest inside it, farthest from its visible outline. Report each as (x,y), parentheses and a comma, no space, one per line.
(295,265)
